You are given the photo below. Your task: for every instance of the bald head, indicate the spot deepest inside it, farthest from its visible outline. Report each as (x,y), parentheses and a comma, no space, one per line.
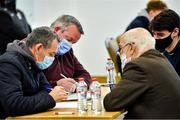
(140,37)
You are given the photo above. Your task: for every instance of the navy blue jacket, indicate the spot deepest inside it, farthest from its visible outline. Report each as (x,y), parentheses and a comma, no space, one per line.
(23,85)
(139,21)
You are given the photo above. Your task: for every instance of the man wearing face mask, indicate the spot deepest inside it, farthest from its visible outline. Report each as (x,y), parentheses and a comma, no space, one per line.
(145,16)
(66,69)
(166,30)
(149,88)
(24,87)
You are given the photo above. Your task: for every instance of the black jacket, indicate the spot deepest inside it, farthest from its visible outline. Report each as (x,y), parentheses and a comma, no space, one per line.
(23,85)
(149,89)
(13,25)
(139,21)
(174,57)
(142,20)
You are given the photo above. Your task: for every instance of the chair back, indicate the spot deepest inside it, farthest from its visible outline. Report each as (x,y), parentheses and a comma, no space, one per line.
(112,48)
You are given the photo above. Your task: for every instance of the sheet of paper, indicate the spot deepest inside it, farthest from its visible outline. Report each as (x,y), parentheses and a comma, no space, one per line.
(73,96)
(66,104)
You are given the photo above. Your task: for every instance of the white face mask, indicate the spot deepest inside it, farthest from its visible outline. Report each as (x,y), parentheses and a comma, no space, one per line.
(124,61)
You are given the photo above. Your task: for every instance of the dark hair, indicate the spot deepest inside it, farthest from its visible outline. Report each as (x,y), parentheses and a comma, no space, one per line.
(66,20)
(166,20)
(42,35)
(156,5)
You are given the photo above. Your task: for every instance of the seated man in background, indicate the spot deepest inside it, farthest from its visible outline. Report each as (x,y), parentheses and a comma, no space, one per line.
(153,8)
(13,24)
(24,88)
(150,86)
(69,30)
(166,30)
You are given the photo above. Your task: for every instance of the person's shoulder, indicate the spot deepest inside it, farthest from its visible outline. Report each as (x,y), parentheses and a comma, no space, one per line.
(4,11)
(148,57)
(18,11)
(142,18)
(6,14)
(9,57)
(139,21)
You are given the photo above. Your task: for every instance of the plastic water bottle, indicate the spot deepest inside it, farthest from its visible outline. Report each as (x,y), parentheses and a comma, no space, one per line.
(82,95)
(110,71)
(95,89)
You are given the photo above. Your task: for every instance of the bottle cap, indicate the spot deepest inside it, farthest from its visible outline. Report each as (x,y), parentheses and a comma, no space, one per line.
(94,79)
(80,79)
(109,58)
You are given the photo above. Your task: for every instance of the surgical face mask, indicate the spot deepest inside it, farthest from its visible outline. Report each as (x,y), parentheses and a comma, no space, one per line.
(123,61)
(45,63)
(64,47)
(161,44)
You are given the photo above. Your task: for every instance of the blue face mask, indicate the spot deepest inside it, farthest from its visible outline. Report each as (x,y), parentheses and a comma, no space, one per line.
(64,47)
(45,63)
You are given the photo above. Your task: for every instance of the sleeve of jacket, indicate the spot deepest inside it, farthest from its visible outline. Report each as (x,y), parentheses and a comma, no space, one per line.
(81,72)
(44,84)
(12,99)
(132,85)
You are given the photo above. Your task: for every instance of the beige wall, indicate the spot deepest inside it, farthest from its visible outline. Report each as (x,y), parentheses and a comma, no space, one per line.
(100,19)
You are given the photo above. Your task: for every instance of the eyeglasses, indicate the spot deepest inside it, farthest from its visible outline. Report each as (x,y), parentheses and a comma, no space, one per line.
(120,48)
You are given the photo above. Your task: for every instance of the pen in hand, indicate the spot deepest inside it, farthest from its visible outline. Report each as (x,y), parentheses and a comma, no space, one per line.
(66,77)
(63,75)
(49,89)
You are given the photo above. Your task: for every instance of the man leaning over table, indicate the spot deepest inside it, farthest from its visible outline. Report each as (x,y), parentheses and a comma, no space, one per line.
(66,69)
(149,88)
(24,88)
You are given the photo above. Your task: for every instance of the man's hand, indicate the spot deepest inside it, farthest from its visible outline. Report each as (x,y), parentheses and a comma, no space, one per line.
(58,93)
(69,84)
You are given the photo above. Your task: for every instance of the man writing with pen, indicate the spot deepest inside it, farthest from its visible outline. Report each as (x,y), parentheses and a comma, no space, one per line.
(24,88)
(66,69)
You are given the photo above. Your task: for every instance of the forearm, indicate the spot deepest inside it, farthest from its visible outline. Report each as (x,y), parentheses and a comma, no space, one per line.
(21,105)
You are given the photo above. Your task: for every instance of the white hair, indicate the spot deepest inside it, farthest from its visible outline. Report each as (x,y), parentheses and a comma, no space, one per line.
(141,37)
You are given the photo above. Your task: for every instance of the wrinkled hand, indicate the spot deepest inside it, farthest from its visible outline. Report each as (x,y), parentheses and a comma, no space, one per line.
(69,84)
(58,93)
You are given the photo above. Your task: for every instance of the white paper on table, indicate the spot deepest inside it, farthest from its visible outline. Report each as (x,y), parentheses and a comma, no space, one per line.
(66,105)
(74,96)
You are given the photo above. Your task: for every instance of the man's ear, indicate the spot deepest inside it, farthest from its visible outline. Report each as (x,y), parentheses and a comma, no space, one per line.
(56,29)
(133,48)
(176,31)
(38,48)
